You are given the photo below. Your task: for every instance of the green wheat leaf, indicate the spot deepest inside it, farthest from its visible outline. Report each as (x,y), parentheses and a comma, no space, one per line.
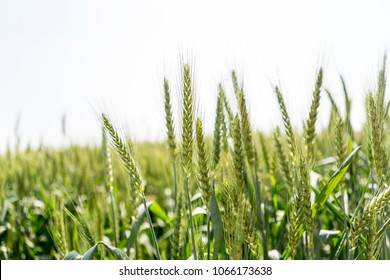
(217,226)
(332,183)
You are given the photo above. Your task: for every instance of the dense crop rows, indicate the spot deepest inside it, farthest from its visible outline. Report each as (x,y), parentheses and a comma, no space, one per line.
(237,194)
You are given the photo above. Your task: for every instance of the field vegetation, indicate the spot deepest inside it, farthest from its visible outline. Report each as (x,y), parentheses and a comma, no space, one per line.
(236,194)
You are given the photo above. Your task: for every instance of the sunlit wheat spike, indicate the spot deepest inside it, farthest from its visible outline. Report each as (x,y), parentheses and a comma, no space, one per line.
(286,122)
(381,86)
(230,221)
(245,122)
(247,132)
(218,127)
(295,222)
(249,232)
(236,87)
(136,186)
(109,180)
(304,185)
(339,141)
(187,144)
(380,98)
(362,224)
(311,122)
(169,120)
(188,120)
(108,174)
(371,240)
(284,162)
(171,138)
(376,121)
(238,160)
(124,153)
(203,169)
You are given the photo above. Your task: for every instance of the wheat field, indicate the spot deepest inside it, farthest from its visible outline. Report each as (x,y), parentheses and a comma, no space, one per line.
(236,194)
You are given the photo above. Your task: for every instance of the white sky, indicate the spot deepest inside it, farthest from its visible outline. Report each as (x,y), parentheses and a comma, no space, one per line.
(66,57)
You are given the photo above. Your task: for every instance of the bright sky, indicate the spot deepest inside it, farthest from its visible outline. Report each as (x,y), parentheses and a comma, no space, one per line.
(69,57)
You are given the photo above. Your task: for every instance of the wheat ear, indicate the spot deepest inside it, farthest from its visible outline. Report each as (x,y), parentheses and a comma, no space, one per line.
(311,122)
(132,170)
(170,134)
(187,142)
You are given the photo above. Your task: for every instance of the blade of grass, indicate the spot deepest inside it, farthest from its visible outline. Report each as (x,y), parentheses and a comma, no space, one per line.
(332,183)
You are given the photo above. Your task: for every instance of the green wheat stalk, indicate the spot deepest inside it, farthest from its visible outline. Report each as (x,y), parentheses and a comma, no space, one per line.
(132,170)
(108,175)
(170,134)
(187,142)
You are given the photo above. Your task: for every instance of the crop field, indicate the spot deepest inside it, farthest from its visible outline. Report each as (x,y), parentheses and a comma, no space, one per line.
(236,194)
